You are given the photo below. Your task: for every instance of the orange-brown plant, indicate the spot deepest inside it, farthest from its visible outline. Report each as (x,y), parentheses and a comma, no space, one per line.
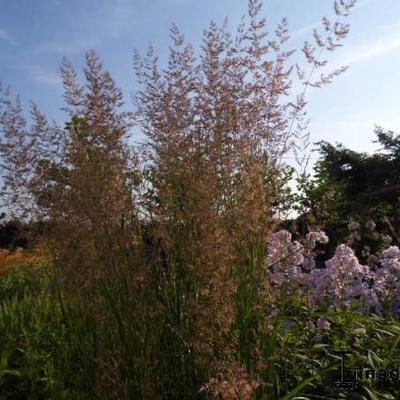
(75,178)
(78,179)
(217,126)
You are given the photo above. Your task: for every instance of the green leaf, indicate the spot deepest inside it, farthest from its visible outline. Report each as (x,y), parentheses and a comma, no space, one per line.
(371,394)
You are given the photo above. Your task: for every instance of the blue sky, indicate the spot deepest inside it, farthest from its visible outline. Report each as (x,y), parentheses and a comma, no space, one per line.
(35,34)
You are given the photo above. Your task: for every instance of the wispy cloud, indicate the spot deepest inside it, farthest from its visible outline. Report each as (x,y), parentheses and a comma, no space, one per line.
(42,76)
(7,37)
(59,47)
(305,29)
(374,49)
(122,16)
(308,28)
(362,3)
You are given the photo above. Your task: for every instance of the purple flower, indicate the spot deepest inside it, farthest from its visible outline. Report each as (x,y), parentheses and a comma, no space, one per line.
(323,324)
(291,265)
(317,237)
(341,281)
(396,310)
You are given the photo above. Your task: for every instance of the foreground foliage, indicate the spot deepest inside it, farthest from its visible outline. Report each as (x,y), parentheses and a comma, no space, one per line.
(54,348)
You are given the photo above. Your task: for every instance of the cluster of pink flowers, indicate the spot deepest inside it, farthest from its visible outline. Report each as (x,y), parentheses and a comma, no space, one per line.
(323,324)
(284,259)
(315,237)
(387,278)
(342,281)
(287,258)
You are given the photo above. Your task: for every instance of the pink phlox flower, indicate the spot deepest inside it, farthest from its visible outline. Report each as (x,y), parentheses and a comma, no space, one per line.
(317,237)
(323,324)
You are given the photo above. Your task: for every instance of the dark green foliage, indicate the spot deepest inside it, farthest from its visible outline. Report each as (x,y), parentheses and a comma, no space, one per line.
(20,280)
(310,365)
(58,347)
(354,187)
(42,355)
(14,233)
(10,235)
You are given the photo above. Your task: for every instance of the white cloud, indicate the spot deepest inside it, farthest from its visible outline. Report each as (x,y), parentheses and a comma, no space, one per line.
(362,3)
(311,27)
(304,29)
(374,49)
(42,76)
(54,47)
(7,37)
